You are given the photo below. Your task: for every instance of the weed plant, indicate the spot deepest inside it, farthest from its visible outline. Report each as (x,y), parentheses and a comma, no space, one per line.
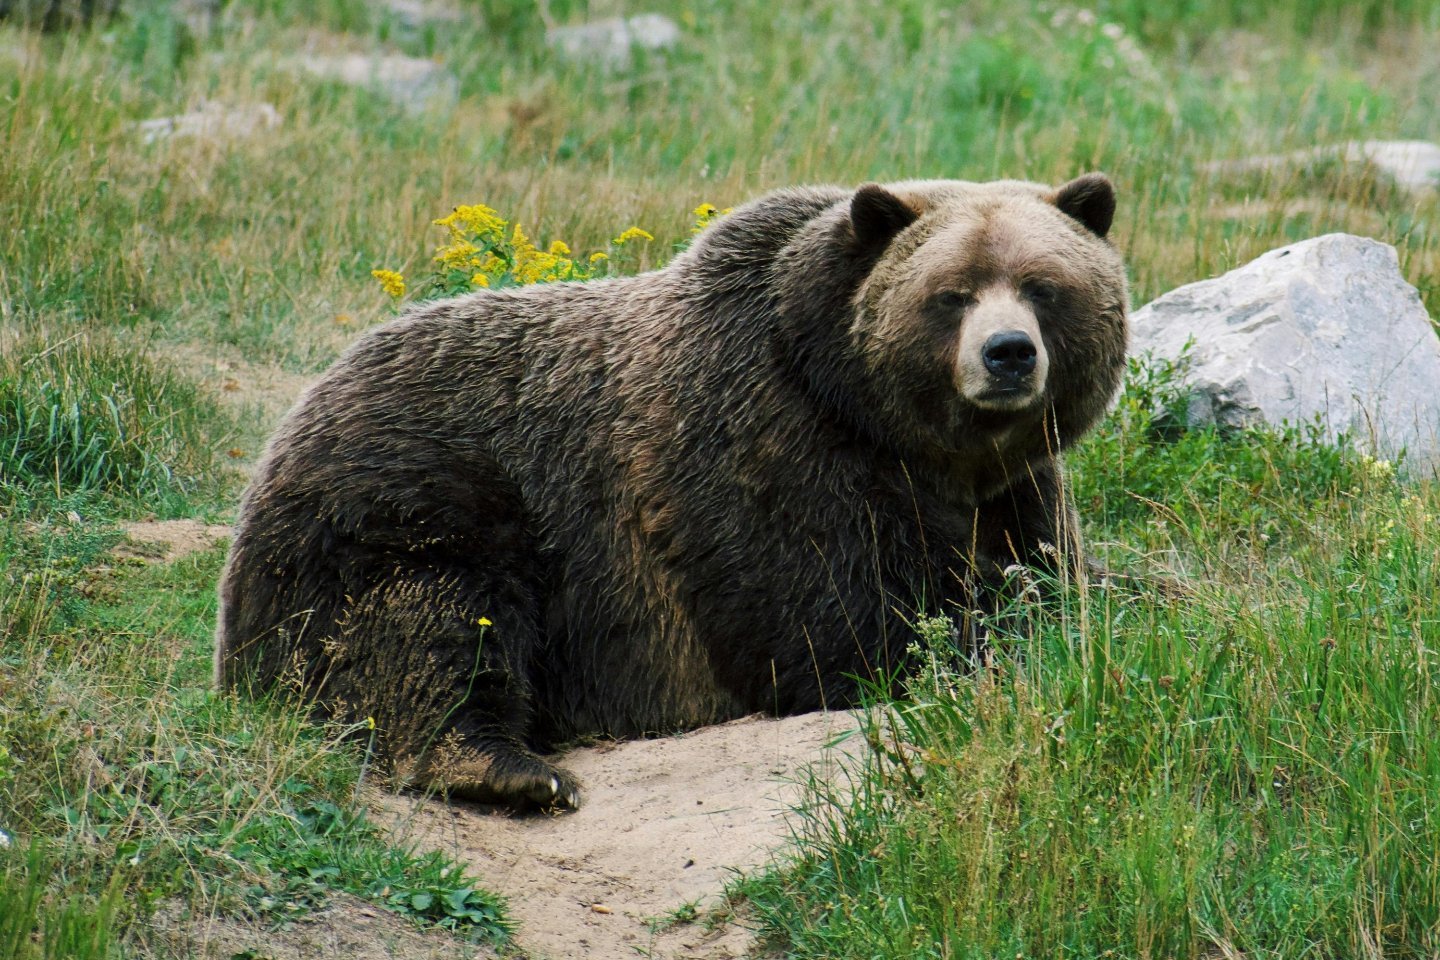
(87,414)
(32,927)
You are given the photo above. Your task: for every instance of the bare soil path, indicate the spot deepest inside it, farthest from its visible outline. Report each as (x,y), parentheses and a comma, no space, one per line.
(665,824)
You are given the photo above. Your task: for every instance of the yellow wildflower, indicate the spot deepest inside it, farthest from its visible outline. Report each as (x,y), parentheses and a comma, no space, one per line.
(706,214)
(1414,505)
(533,265)
(457,255)
(475,218)
(391,282)
(480,280)
(540,267)
(634,233)
(559,248)
(520,242)
(599,255)
(484,622)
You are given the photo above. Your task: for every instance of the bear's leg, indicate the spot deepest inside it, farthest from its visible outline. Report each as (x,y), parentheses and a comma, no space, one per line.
(440,663)
(1031,525)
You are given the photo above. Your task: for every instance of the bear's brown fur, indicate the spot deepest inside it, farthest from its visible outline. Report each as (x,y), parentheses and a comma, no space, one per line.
(722,487)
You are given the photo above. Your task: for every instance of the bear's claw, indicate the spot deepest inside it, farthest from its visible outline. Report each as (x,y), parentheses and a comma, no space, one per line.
(510,776)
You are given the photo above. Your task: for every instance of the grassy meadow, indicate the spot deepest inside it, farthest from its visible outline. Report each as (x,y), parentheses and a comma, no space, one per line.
(1250,769)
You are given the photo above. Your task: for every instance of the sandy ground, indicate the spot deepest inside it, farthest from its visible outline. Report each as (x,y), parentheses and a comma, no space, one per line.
(168,540)
(665,823)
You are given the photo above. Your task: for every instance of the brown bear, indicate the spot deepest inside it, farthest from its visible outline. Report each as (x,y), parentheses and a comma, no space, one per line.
(644,504)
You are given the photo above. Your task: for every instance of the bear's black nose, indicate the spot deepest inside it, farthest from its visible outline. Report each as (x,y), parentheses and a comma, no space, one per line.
(1010,355)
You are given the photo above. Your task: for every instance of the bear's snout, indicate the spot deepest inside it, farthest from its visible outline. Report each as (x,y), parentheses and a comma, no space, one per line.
(1002,364)
(1010,355)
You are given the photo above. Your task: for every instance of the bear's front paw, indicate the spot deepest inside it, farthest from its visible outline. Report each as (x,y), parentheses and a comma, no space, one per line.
(541,784)
(507,775)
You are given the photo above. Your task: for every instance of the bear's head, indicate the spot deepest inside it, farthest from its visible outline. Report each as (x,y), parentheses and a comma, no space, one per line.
(979,317)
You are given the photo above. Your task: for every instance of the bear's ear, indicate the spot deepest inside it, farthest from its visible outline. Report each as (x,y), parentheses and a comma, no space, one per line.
(877,215)
(1089,199)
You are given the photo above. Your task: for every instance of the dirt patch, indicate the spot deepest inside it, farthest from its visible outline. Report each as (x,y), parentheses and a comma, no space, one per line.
(168,540)
(264,390)
(664,825)
(347,928)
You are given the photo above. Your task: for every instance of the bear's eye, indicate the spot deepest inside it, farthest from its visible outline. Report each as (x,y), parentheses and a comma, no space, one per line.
(954,299)
(1039,292)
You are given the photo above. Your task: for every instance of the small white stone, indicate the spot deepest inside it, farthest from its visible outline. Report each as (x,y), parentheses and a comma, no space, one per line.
(413,82)
(212,121)
(615,40)
(1413,164)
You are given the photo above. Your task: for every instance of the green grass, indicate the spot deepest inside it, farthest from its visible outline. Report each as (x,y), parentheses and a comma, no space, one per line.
(140,786)
(259,243)
(86,414)
(34,927)
(1248,769)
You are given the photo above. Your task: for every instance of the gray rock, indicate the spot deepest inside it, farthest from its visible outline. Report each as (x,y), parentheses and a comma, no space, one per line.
(1326,328)
(1413,165)
(614,41)
(417,14)
(412,82)
(212,121)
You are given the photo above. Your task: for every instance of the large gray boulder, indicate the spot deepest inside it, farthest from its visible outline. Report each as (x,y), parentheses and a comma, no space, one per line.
(1324,329)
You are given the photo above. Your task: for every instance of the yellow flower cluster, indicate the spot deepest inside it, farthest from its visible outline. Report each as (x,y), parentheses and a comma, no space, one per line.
(1416,507)
(484,250)
(391,282)
(458,255)
(633,233)
(529,264)
(476,218)
(1377,469)
(706,214)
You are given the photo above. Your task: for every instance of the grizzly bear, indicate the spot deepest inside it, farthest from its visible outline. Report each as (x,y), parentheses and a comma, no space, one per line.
(644,504)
